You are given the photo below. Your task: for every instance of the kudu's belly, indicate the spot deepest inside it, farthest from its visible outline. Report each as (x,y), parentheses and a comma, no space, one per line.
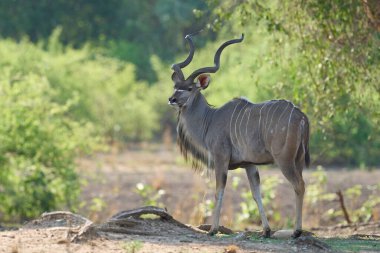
(242,158)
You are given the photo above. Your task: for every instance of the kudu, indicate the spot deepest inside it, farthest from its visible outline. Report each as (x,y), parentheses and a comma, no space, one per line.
(239,134)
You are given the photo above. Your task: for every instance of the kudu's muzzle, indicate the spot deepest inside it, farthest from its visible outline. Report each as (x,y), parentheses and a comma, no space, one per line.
(172,101)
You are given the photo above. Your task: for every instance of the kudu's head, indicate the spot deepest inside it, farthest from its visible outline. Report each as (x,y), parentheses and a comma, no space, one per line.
(199,79)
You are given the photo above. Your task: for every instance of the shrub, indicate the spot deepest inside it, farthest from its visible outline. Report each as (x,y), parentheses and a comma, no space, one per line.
(38,144)
(56,103)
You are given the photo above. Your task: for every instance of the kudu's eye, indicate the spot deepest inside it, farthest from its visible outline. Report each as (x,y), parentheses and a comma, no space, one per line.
(189,89)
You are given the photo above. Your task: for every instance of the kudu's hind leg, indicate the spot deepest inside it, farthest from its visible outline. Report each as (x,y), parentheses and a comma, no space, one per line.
(254,182)
(294,175)
(221,180)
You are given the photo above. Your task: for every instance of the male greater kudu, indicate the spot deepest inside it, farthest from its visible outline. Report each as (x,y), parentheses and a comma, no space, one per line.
(239,134)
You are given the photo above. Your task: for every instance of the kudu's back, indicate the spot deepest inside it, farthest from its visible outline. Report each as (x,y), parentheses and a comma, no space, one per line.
(273,131)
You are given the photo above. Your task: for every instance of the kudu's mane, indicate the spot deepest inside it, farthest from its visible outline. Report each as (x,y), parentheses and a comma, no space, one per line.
(192,151)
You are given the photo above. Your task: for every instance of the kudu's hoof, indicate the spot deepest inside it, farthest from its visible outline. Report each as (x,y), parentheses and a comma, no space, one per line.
(267,233)
(297,233)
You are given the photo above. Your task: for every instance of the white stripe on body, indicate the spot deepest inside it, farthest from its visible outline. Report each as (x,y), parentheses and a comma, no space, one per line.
(232,139)
(279,119)
(244,140)
(290,117)
(268,130)
(237,119)
(246,126)
(260,121)
(266,123)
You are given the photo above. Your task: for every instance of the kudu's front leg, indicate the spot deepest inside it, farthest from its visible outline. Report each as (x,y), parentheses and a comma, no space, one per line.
(221,170)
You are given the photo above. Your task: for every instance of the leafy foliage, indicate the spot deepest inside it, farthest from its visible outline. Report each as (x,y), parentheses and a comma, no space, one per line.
(132,246)
(129,30)
(38,144)
(149,195)
(55,105)
(103,90)
(360,209)
(322,55)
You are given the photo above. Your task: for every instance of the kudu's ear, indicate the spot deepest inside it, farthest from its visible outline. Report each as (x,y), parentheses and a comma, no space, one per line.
(203,81)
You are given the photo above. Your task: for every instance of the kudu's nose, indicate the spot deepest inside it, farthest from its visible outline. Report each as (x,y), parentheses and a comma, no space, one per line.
(172,100)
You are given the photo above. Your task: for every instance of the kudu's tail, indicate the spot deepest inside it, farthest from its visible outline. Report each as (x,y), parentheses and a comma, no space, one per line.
(307,156)
(306,140)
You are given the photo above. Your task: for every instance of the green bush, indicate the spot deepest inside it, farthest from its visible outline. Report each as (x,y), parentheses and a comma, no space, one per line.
(104,89)
(38,144)
(56,104)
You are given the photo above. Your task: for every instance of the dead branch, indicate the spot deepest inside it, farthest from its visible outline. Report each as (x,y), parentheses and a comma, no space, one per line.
(141,211)
(130,222)
(343,206)
(222,229)
(136,213)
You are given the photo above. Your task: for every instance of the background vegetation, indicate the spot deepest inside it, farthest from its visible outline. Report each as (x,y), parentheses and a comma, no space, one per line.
(76,75)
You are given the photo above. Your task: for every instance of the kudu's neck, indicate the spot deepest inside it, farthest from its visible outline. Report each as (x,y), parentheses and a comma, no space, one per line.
(193,124)
(196,115)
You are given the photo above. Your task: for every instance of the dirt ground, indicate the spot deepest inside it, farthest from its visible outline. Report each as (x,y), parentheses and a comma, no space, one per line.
(163,235)
(54,240)
(110,186)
